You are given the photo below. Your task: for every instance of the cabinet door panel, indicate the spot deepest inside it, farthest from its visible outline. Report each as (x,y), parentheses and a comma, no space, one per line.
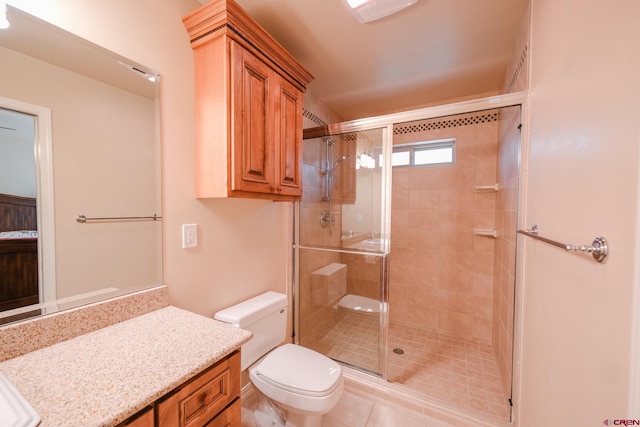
(288,112)
(252,138)
(202,398)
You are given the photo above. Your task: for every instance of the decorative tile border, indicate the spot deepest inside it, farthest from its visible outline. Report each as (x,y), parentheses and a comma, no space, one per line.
(519,66)
(315,119)
(447,123)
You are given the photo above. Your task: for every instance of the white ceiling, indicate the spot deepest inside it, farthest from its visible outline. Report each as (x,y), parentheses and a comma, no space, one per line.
(433,51)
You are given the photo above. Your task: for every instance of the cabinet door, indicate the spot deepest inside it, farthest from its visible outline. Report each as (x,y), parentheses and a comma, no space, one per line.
(252,145)
(288,135)
(203,398)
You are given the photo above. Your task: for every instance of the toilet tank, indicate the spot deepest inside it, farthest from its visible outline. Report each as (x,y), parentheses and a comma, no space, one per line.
(265,316)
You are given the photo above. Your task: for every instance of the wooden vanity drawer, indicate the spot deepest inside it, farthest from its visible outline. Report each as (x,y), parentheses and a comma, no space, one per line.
(198,401)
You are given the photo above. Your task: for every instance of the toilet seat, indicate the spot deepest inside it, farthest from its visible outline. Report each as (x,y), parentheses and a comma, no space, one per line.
(300,370)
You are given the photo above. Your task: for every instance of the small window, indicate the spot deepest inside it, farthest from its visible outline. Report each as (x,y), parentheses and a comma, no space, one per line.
(433,155)
(424,153)
(401,158)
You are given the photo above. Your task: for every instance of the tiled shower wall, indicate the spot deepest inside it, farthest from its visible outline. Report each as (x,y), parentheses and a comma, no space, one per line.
(441,274)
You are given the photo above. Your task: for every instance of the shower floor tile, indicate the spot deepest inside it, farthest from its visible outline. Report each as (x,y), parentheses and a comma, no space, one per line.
(458,372)
(454,370)
(349,338)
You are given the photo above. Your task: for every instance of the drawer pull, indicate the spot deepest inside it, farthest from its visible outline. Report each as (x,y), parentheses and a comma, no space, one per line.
(209,398)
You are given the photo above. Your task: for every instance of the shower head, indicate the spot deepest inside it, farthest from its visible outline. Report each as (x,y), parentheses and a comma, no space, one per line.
(337,162)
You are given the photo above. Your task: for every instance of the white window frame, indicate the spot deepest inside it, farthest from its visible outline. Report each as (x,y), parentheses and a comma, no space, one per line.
(413,147)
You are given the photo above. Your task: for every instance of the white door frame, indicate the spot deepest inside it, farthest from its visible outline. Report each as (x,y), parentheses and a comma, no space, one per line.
(44,184)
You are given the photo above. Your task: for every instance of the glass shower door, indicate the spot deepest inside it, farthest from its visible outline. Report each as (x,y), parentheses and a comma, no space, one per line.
(342,248)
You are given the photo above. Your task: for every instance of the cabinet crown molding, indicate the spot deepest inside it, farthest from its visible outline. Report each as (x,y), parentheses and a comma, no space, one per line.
(225,17)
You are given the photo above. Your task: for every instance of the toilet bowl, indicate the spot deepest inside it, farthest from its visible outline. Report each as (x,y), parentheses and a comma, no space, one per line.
(302,383)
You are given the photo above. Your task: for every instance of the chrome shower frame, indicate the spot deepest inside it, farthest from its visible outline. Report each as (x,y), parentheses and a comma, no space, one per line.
(387,122)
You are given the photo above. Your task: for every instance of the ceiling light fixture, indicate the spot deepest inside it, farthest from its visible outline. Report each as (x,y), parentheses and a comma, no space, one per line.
(4,22)
(370,10)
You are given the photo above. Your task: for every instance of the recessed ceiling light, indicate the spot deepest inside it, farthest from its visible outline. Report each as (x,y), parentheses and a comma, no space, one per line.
(370,10)
(4,22)
(356,3)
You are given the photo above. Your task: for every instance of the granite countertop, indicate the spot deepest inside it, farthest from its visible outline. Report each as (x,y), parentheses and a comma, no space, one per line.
(103,377)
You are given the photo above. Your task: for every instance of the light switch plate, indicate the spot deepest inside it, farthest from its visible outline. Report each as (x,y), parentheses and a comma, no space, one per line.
(189,235)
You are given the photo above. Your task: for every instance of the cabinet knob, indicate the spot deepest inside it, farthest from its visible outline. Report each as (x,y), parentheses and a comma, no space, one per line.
(208,399)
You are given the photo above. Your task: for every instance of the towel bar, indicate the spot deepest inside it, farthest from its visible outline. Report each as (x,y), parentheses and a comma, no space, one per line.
(599,248)
(82,219)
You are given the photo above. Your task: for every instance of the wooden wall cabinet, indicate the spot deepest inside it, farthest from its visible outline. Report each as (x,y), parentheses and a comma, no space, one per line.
(210,399)
(248,92)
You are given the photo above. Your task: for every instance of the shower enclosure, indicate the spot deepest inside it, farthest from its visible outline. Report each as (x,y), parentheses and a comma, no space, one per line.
(405,251)
(342,253)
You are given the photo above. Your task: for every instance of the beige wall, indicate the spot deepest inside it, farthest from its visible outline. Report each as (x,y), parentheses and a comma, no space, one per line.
(582,181)
(242,243)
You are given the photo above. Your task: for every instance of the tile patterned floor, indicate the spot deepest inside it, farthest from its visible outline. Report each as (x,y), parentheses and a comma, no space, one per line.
(462,374)
(361,409)
(355,410)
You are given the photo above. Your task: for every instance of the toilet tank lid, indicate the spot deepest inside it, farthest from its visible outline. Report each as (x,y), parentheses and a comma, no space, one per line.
(251,310)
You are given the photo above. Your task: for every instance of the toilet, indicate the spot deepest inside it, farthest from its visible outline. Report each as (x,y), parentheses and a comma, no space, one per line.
(302,383)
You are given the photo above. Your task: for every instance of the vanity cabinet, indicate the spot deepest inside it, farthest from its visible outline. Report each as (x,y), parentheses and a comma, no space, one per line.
(248,92)
(206,400)
(210,399)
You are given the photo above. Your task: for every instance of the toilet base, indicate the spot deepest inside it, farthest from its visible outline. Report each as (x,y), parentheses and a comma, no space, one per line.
(302,420)
(267,420)
(268,414)
(272,419)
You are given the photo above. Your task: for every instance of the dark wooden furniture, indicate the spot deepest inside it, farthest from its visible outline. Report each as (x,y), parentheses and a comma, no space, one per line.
(18,256)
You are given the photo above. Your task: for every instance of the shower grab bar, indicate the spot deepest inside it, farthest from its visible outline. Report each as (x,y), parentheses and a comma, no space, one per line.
(599,248)
(342,251)
(82,219)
